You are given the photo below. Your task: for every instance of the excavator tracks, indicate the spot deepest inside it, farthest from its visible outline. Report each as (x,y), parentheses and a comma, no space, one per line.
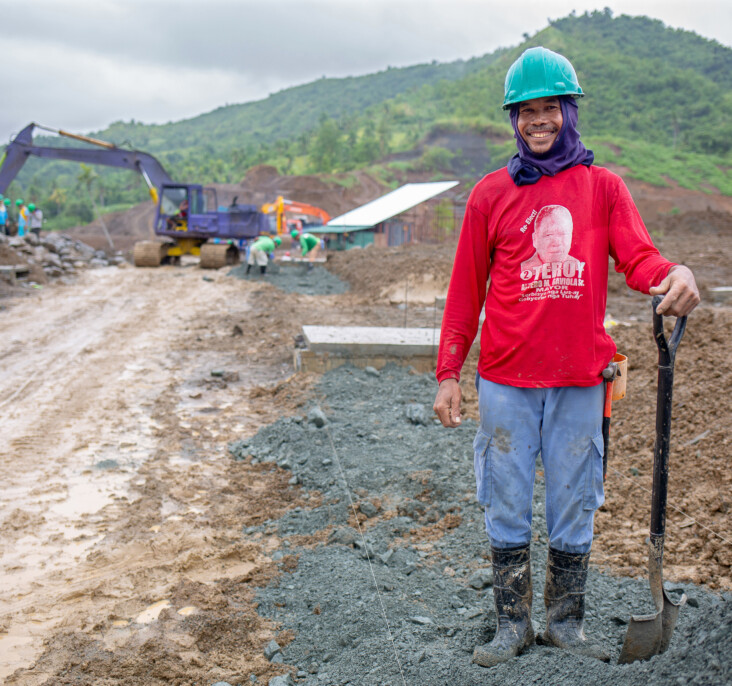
(148,253)
(215,255)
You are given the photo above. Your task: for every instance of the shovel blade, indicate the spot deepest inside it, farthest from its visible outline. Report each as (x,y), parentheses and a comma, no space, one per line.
(643,638)
(669,616)
(650,635)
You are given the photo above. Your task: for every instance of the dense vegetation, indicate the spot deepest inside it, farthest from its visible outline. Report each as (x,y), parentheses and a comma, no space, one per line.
(656,102)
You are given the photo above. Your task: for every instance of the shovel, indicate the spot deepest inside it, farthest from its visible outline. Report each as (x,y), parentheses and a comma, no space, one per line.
(649,635)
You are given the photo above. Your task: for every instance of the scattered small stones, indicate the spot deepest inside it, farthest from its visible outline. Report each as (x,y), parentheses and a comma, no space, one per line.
(432,583)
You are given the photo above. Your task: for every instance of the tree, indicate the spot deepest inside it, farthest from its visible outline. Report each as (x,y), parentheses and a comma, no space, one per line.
(87,178)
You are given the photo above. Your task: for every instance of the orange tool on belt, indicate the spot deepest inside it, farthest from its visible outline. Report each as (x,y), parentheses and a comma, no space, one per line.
(615,375)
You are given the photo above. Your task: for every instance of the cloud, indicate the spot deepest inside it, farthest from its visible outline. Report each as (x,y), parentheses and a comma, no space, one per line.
(82,64)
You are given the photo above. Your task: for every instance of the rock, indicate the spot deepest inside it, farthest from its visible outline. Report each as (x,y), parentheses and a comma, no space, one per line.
(422,621)
(96,262)
(372,371)
(385,557)
(368,508)
(411,508)
(344,536)
(317,417)
(222,683)
(418,414)
(481,579)
(271,649)
(284,680)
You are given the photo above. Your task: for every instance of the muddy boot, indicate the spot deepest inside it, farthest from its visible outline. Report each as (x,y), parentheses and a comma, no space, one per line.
(263,270)
(564,597)
(512,595)
(249,267)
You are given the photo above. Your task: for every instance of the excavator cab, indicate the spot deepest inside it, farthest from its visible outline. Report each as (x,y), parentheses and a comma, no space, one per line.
(174,209)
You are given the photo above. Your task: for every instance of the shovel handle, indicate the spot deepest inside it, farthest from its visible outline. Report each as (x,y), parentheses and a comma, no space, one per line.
(666,358)
(666,349)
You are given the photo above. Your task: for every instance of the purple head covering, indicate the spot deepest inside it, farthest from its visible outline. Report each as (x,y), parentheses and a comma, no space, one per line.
(526,167)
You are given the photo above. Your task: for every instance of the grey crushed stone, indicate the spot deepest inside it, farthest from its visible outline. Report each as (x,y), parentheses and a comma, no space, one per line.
(425,472)
(294,278)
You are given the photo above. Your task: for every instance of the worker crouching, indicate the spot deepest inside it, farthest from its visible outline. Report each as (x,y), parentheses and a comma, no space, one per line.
(533,254)
(260,250)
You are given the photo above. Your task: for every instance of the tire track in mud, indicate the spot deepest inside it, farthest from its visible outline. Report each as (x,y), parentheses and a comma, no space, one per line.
(88,405)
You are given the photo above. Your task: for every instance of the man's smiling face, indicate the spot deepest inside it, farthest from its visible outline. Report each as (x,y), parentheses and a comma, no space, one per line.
(539,122)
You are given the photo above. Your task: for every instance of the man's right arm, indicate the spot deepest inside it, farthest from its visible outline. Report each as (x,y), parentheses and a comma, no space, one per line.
(465,298)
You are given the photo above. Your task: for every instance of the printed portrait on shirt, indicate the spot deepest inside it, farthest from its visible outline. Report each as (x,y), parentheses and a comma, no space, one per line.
(552,238)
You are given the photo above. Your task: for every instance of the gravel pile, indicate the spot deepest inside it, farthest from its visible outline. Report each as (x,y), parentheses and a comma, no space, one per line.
(372,437)
(294,277)
(57,254)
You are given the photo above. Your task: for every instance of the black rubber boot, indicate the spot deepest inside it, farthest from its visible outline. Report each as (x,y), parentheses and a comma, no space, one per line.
(249,267)
(512,595)
(263,270)
(564,597)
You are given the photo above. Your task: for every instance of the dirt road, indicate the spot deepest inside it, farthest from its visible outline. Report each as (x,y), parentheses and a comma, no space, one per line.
(111,424)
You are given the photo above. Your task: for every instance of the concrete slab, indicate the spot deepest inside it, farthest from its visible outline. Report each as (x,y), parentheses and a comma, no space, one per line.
(327,347)
(721,294)
(373,340)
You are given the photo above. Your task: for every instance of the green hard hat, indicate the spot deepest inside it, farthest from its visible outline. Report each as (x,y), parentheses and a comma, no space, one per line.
(277,240)
(18,202)
(540,73)
(7,201)
(294,233)
(31,207)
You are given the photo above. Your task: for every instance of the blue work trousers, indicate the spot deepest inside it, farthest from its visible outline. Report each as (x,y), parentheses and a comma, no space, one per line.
(564,426)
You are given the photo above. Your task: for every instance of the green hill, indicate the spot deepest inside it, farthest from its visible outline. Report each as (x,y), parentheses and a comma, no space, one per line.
(657,99)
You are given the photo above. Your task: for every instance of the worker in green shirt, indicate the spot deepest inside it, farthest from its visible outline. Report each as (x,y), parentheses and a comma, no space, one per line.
(259,250)
(309,244)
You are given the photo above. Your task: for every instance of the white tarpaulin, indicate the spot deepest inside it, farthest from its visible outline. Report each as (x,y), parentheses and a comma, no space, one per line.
(389,205)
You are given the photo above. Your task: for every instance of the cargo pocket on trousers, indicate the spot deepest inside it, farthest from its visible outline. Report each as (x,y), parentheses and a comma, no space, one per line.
(482,464)
(594,494)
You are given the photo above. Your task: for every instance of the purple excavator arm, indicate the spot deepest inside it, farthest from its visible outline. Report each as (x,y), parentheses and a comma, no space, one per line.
(21,147)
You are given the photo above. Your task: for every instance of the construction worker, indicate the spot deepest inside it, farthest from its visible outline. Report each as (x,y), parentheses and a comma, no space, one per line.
(4,202)
(23,216)
(260,249)
(542,229)
(36,219)
(309,245)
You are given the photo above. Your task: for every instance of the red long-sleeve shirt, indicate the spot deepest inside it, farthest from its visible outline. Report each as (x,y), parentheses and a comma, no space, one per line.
(545,248)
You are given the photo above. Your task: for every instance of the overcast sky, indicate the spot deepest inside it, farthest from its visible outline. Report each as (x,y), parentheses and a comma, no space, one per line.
(82,64)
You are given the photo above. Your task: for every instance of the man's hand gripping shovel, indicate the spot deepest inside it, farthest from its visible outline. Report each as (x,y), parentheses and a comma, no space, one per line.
(649,635)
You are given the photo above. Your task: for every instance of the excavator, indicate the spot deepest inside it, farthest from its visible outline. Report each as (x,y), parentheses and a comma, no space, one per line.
(188,219)
(290,214)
